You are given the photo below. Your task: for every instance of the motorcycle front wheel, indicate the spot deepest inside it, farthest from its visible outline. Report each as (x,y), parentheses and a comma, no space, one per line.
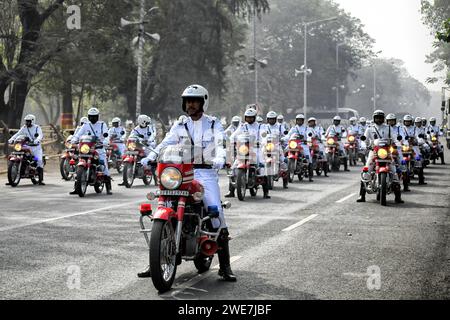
(14,173)
(128,175)
(163,255)
(82,182)
(291,168)
(64,168)
(383,188)
(241,184)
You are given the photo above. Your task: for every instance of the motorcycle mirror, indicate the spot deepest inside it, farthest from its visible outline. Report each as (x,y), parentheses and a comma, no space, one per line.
(407,137)
(12,132)
(363,138)
(122,133)
(286,132)
(310,134)
(105,135)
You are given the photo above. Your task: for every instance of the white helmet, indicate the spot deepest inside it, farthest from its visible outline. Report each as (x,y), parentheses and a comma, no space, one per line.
(272,115)
(408,118)
(300,116)
(250,113)
(337,118)
(312,119)
(353,120)
(142,120)
(83,120)
(259,119)
(391,116)
(196,91)
(418,119)
(93,112)
(31,118)
(236,119)
(362,120)
(433,119)
(116,120)
(280,117)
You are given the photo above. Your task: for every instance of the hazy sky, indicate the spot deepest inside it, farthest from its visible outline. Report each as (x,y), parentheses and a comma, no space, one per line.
(397,27)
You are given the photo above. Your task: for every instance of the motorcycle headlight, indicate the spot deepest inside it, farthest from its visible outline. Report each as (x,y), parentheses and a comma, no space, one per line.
(132,146)
(270,147)
(382,154)
(18,147)
(68,145)
(293,145)
(434,139)
(351,139)
(330,141)
(171,178)
(243,150)
(85,149)
(405,148)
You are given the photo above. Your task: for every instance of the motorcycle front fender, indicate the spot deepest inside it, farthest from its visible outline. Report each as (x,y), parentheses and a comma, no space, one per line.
(165,214)
(15,159)
(384,170)
(129,160)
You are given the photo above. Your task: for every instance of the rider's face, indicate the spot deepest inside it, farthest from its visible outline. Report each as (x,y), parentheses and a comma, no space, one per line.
(193,106)
(312,124)
(300,122)
(419,124)
(392,122)
(379,120)
(250,120)
(115,124)
(407,123)
(433,123)
(272,121)
(28,123)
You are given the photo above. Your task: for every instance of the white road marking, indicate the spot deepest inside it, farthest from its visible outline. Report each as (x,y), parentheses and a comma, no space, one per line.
(346,198)
(192,282)
(354,274)
(8,228)
(300,223)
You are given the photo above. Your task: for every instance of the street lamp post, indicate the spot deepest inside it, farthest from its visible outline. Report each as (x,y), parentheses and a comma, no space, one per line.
(375,82)
(305,60)
(337,76)
(254,56)
(140,51)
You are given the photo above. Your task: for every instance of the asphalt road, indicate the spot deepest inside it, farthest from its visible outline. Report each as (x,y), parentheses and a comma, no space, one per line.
(312,241)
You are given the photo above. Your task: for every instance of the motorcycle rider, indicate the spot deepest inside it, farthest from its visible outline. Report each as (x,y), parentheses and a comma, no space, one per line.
(339,131)
(120,133)
(255,131)
(379,130)
(274,128)
(284,124)
(83,120)
(304,131)
(205,133)
(434,129)
(34,133)
(318,133)
(363,124)
(411,131)
(99,129)
(235,123)
(421,133)
(391,120)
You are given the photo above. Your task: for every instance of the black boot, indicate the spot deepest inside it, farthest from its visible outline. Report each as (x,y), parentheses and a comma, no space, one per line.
(362,194)
(398,196)
(147,273)
(40,172)
(231,193)
(108,185)
(224,257)
(346,166)
(310,173)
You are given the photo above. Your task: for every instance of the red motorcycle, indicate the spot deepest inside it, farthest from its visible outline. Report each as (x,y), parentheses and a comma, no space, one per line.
(298,165)
(274,172)
(333,152)
(132,167)
(67,164)
(352,149)
(113,154)
(320,164)
(182,228)
(21,163)
(89,168)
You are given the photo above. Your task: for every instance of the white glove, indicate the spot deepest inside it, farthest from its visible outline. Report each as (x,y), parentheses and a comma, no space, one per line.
(10,141)
(218,163)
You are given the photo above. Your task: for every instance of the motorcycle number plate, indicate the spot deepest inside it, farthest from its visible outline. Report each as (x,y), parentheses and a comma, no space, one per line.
(133,153)
(178,193)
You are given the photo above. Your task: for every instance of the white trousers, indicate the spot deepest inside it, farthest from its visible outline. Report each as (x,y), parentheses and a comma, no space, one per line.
(38,153)
(209,178)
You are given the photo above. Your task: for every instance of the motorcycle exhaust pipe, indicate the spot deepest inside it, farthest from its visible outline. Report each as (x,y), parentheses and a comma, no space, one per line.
(208,247)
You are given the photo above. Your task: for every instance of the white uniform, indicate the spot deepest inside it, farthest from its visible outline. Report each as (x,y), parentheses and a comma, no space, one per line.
(423,131)
(30,133)
(303,131)
(98,130)
(149,136)
(205,135)
(119,137)
(397,131)
(375,132)
(318,134)
(255,131)
(277,130)
(339,132)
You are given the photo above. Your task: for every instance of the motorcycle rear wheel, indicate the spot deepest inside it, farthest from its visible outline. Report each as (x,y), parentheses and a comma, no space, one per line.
(203,263)
(99,187)
(163,257)
(147,179)
(14,174)
(241,184)
(64,168)
(291,171)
